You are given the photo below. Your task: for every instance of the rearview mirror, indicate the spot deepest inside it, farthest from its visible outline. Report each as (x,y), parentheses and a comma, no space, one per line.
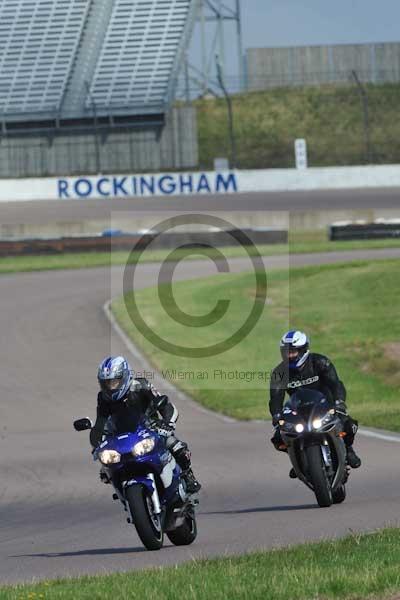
(83,424)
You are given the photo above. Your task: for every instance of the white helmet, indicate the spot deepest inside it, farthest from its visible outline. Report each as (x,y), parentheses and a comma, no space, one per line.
(295,348)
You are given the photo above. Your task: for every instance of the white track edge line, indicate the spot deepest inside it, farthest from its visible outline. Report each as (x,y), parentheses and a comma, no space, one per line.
(134,350)
(379,436)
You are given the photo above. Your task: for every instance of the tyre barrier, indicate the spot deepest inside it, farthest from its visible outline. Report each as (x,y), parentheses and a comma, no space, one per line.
(365,231)
(108,243)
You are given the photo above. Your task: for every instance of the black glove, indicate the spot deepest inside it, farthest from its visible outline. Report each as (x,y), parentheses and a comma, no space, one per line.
(340,407)
(275,419)
(166,430)
(162,428)
(156,424)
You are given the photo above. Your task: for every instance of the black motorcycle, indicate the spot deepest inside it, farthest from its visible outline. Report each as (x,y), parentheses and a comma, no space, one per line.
(313,433)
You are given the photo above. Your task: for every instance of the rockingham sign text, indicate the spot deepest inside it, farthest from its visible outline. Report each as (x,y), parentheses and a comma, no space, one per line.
(170,184)
(147,185)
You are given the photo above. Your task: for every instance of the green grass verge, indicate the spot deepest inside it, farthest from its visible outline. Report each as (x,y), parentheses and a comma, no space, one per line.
(311,242)
(350,311)
(16,264)
(356,567)
(329,117)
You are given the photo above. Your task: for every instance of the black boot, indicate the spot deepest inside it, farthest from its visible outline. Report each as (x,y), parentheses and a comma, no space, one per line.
(352,459)
(192,485)
(292,474)
(104,477)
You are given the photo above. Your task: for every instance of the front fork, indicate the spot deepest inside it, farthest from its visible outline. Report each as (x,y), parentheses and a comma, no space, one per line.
(149,482)
(154,496)
(327,456)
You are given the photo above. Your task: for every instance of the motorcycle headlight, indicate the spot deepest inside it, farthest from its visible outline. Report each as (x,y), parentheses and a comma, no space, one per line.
(317,423)
(299,427)
(143,447)
(109,457)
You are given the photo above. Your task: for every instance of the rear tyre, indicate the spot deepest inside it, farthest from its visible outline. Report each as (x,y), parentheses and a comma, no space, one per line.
(339,494)
(318,476)
(186,533)
(147,523)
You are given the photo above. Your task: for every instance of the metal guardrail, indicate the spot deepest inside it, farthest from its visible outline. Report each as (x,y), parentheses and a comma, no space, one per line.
(129,242)
(367,231)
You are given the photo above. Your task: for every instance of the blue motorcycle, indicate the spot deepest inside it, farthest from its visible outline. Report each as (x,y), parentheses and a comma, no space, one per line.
(148,482)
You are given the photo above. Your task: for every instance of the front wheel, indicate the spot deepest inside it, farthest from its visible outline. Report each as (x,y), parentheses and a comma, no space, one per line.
(318,476)
(186,533)
(147,523)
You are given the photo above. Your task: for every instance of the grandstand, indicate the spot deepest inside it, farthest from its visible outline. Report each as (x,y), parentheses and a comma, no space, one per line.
(89,66)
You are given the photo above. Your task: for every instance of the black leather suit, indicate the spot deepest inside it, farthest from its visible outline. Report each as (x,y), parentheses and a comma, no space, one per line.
(318,373)
(141,400)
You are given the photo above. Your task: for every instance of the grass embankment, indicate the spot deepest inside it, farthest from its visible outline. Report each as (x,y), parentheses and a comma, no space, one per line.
(17,264)
(357,567)
(329,117)
(350,311)
(299,243)
(304,242)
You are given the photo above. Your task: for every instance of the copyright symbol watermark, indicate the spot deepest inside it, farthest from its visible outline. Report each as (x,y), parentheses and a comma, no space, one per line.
(165,287)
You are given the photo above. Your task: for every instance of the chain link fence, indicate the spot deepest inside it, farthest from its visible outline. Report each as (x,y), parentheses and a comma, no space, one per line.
(345,123)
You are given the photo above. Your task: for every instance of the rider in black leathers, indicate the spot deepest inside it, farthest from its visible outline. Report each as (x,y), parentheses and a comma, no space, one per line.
(300,368)
(138,398)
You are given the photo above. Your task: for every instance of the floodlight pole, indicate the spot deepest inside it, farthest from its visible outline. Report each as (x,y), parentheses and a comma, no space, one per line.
(230,114)
(203,47)
(240,45)
(221,37)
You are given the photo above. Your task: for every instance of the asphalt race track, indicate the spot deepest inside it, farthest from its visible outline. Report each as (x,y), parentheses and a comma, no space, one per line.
(74,210)
(57,519)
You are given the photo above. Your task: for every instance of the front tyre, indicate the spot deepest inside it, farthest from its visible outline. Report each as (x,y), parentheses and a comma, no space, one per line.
(147,523)
(186,533)
(318,476)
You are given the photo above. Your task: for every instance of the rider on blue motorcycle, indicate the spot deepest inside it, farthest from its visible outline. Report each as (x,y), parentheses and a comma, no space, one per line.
(301,368)
(126,400)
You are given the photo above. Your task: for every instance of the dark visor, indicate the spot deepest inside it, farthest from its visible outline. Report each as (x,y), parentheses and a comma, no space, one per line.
(111,385)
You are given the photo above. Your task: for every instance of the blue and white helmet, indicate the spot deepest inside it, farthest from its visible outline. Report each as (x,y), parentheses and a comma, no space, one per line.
(115,378)
(295,348)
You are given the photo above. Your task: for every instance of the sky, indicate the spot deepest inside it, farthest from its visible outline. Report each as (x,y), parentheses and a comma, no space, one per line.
(304,22)
(308,22)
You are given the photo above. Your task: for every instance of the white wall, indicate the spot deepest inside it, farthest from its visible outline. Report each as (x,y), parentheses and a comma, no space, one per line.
(168,184)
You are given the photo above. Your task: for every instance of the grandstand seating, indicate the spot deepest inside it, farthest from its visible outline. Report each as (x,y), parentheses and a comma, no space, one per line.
(138,54)
(38,42)
(60,58)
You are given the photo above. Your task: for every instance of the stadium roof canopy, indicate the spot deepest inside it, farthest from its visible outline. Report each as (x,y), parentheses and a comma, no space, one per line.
(72,59)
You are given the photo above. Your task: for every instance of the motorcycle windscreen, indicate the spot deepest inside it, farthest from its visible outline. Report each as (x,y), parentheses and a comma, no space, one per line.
(127,418)
(307,401)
